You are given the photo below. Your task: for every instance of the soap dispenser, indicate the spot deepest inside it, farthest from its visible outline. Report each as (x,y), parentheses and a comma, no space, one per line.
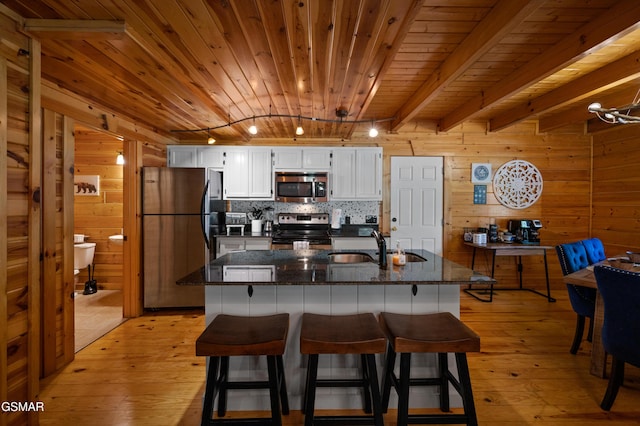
(398,257)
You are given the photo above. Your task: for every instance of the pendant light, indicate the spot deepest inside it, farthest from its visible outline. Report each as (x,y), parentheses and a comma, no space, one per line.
(120,159)
(253,129)
(299,129)
(210,140)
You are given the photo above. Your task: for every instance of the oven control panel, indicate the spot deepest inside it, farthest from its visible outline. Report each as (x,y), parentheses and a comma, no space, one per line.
(303,218)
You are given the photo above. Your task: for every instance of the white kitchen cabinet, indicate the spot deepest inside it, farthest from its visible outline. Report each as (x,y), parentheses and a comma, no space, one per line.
(356,174)
(181,156)
(287,158)
(195,156)
(353,243)
(244,273)
(211,157)
(247,173)
(238,243)
(302,159)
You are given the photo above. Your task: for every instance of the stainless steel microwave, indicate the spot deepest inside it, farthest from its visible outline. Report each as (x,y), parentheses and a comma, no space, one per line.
(294,187)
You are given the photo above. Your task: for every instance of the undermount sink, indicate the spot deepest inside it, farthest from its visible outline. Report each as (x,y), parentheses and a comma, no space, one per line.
(350,258)
(412,257)
(409,257)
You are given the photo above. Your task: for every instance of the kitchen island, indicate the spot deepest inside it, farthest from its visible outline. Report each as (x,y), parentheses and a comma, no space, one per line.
(296,281)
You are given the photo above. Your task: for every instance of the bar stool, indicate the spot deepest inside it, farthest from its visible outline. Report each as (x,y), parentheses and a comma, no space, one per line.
(229,335)
(357,334)
(440,333)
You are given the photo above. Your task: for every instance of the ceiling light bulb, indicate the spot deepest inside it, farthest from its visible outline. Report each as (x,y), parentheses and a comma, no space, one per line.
(594,107)
(373,132)
(120,159)
(211,140)
(253,129)
(299,131)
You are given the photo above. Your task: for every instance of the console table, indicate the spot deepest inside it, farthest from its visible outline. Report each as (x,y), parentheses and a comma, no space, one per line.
(506,249)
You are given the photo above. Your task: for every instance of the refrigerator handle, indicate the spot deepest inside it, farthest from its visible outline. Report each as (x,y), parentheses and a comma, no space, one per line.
(203,215)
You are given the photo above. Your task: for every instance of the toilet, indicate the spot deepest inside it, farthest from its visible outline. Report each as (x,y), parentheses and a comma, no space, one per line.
(83,258)
(83,255)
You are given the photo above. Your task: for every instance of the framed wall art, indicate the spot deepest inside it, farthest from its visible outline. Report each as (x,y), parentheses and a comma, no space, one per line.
(481,173)
(86,185)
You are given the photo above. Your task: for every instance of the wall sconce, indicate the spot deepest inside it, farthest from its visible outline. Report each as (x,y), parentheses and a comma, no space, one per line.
(120,159)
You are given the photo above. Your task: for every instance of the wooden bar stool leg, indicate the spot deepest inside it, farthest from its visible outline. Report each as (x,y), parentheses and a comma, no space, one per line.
(387,378)
(282,385)
(310,391)
(210,390)
(273,390)
(374,388)
(465,389)
(403,389)
(222,386)
(365,383)
(443,363)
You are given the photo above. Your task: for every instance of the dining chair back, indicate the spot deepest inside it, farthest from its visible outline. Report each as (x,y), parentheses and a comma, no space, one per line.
(620,292)
(573,257)
(594,249)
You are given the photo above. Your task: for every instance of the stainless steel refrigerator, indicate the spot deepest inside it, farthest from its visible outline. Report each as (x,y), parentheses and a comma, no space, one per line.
(177,235)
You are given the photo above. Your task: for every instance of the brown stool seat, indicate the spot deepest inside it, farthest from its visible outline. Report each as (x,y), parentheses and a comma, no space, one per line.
(341,334)
(230,335)
(440,333)
(358,334)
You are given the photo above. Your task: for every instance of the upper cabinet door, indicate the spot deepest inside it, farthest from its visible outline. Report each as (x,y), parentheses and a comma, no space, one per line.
(287,158)
(210,157)
(316,159)
(247,173)
(356,174)
(181,156)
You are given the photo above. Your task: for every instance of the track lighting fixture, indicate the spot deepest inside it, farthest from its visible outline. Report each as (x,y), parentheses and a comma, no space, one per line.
(340,113)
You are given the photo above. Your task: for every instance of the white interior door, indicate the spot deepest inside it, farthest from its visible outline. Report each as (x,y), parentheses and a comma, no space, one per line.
(416,203)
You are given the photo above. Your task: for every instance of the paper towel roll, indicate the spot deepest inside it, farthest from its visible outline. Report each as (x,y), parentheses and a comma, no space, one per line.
(336,218)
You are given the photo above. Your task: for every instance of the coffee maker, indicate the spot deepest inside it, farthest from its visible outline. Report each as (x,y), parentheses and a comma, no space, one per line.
(526,231)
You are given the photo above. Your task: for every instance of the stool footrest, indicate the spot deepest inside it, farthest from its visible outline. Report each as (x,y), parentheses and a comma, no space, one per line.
(342,420)
(437,419)
(247,385)
(241,422)
(340,383)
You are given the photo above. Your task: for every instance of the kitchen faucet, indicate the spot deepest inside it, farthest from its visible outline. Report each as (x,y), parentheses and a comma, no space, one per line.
(382,248)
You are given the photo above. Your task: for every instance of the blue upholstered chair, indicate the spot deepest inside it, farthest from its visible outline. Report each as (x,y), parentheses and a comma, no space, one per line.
(573,257)
(595,250)
(620,292)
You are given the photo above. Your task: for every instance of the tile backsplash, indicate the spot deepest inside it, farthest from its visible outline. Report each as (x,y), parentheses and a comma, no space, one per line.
(357,211)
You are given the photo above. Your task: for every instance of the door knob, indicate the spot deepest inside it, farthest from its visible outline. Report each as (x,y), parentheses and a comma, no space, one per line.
(394,228)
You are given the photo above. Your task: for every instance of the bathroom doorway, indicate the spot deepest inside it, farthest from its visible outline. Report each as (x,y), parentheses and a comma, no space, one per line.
(98,218)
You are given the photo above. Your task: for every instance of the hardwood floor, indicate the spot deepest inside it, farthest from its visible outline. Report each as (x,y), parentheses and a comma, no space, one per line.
(145,372)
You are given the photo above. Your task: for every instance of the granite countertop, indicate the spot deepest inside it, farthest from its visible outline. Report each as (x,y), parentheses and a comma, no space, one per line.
(314,267)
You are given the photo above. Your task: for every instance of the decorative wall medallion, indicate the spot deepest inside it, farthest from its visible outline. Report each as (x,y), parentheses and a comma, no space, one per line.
(481,173)
(517,184)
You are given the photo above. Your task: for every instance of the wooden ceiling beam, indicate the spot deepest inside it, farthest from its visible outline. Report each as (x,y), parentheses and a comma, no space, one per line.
(75,29)
(605,78)
(502,19)
(618,21)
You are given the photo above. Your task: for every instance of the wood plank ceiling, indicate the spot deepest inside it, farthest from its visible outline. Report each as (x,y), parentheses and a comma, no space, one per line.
(201,64)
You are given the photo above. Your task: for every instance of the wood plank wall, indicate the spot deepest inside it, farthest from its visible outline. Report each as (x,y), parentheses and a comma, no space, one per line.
(616,188)
(17,368)
(99,216)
